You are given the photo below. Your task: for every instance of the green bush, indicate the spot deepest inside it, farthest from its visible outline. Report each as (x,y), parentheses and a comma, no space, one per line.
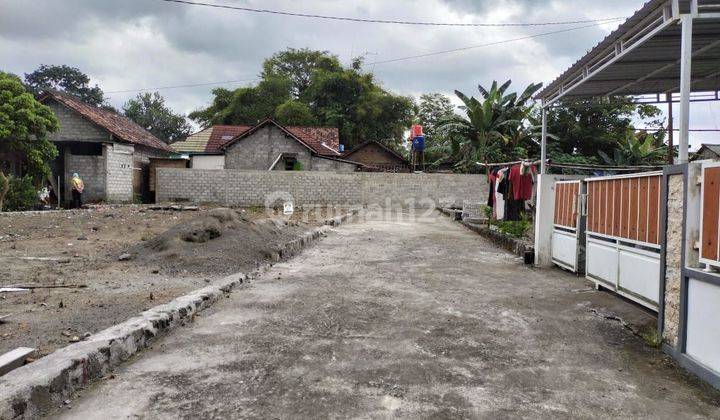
(21,195)
(517,229)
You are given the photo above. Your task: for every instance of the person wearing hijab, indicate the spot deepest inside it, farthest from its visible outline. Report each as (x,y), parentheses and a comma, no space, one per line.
(77,189)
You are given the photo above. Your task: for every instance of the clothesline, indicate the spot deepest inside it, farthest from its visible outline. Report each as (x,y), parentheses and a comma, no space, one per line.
(572,165)
(603,167)
(493,165)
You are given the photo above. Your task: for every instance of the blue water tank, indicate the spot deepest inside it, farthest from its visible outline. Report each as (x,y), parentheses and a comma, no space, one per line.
(419,143)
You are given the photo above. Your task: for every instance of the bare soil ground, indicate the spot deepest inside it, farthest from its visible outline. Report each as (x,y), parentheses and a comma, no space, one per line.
(402,319)
(171,253)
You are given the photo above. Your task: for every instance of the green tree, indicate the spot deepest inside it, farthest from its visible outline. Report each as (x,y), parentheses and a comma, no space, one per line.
(65,78)
(352,101)
(299,66)
(489,127)
(346,98)
(292,112)
(637,148)
(582,129)
(24,126)
(430,111)
(149,111)
(432,108)
(246,105)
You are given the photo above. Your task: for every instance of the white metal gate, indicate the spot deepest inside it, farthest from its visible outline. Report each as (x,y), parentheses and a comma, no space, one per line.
(568,226)
(702,334)
(623,235)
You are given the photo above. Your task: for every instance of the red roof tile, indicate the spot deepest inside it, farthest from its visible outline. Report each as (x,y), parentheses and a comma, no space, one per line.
(222,134)
(323,141)
(121,127)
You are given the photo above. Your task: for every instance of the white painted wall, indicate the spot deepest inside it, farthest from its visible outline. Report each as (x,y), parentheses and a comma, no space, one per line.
(703,334)
(207,162)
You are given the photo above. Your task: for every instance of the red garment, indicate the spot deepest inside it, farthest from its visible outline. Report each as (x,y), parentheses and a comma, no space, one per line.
(522,185)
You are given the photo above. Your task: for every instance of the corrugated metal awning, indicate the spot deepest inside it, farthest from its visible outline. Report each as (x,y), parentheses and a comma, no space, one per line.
(643,55)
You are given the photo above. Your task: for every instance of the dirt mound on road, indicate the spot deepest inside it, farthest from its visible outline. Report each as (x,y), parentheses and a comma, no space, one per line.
(223,240)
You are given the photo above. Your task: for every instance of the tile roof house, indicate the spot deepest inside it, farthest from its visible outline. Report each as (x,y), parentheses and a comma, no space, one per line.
(266,146)
(378,157)
(109,151)
(707,151)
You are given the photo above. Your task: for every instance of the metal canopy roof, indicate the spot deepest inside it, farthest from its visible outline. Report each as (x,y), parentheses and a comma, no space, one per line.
(643,55)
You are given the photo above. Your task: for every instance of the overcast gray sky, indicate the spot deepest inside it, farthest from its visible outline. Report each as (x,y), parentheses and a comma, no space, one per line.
(134,44)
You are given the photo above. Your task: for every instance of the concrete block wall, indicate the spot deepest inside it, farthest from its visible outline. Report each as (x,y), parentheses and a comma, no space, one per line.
(259,150)
(91,170)
(74,127)
(253,188)
(119,172)
(330,165)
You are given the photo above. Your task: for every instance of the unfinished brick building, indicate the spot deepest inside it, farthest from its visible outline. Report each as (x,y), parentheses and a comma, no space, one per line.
(109,151)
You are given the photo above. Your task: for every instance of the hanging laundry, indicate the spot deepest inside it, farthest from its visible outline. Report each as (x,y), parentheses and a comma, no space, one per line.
(521,177)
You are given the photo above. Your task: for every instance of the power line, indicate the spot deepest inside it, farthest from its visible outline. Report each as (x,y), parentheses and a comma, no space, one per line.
(182,86)
(490,44)
(393,60)
(387,21)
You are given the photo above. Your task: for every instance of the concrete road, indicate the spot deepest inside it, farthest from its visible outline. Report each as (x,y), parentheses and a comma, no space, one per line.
(404,319)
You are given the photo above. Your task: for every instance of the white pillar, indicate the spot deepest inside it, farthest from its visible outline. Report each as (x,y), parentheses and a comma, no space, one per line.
(685,86)
(543,142)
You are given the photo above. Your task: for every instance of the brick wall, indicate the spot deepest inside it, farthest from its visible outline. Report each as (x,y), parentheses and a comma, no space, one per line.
(119,169)
(252,188)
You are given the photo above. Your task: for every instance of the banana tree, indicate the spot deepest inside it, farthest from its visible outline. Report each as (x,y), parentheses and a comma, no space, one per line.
(489,124)
(636,149)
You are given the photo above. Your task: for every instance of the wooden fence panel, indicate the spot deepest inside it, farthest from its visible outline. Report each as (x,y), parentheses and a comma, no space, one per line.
(625,207)
(710,214)
(566,196)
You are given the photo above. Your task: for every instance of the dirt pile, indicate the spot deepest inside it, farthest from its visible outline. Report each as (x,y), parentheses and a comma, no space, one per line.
(219,241)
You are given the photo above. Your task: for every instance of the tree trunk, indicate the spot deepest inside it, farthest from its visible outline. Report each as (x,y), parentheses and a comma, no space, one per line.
(4,187)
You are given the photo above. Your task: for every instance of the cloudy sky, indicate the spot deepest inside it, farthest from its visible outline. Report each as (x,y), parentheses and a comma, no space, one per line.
(137,44)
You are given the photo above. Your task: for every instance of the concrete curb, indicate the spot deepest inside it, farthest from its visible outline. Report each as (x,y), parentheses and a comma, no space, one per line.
(515,245)
(42,386)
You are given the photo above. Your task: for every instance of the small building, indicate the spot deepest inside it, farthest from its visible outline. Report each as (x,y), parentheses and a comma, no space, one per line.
(203,147)
(707,151)
(376,156)
(265,146)
(109,151)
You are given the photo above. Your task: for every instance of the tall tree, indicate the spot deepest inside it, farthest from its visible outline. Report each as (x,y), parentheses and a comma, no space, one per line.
(65,78)
(299,66)
(149,111)
(583,129)
(346,98)
(432,108)
(246,105)
(292,112)
(430,111)
(489,126)
(352,101)
(24,126)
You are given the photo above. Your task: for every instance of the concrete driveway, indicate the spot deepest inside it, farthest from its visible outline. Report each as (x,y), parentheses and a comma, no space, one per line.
(404,319)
